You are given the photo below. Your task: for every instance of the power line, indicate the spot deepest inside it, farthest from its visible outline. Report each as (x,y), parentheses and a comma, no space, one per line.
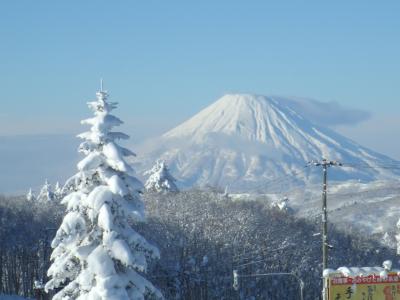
(264,259)
(376,166)
(280,179)
(250,254)
(252,263)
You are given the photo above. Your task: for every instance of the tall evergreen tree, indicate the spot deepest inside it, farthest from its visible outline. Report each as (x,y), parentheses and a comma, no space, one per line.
(160,179)
(97,252)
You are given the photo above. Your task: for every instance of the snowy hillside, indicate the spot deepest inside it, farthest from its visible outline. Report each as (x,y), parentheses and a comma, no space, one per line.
(369,208)
(243,141)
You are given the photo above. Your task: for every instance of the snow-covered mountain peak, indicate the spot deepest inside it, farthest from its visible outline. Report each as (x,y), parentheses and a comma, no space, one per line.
(259,120)
(251,117)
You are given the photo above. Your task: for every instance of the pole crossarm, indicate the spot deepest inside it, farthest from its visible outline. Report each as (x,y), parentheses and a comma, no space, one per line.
(324,162)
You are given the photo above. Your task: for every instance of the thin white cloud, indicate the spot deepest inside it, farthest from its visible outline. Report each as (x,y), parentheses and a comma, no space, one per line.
(326,113)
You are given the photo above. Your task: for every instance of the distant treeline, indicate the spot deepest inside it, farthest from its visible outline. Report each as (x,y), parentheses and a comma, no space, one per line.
(203,237)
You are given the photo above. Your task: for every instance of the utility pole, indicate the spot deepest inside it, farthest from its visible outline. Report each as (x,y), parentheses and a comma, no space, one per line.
(325,165)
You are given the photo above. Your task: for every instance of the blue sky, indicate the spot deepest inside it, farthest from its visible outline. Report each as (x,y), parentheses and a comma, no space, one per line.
(165,60)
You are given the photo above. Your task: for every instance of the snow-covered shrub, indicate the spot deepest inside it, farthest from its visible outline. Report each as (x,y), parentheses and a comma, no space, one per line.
(97,252)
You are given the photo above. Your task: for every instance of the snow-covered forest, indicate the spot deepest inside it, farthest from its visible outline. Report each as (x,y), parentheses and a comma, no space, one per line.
(202,236)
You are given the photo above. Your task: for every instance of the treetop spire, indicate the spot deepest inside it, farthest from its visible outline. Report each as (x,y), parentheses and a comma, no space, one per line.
(102,95)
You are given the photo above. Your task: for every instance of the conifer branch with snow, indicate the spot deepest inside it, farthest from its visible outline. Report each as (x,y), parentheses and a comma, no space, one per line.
(160,179)
(97,253)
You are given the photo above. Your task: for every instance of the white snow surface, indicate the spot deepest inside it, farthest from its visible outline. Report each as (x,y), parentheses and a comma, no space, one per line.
(369,208)
(244,140)
(363,271)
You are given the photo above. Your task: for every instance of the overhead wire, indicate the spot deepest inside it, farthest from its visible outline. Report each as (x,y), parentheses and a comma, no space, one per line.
(395,166)
(272,182)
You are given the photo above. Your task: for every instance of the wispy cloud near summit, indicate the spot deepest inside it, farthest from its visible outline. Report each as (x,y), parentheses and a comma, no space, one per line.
(326,113)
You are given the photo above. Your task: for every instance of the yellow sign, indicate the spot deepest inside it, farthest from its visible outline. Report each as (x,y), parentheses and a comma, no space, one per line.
(365,287)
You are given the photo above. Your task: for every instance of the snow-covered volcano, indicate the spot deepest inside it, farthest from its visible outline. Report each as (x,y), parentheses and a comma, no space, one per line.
(243,141)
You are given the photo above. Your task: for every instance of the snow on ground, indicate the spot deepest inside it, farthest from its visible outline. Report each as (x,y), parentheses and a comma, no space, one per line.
(364,271)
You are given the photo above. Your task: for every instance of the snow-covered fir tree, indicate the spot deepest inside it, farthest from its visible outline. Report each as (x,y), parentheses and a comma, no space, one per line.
(97,252)
(30,196)
(46,193)
(160,179)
